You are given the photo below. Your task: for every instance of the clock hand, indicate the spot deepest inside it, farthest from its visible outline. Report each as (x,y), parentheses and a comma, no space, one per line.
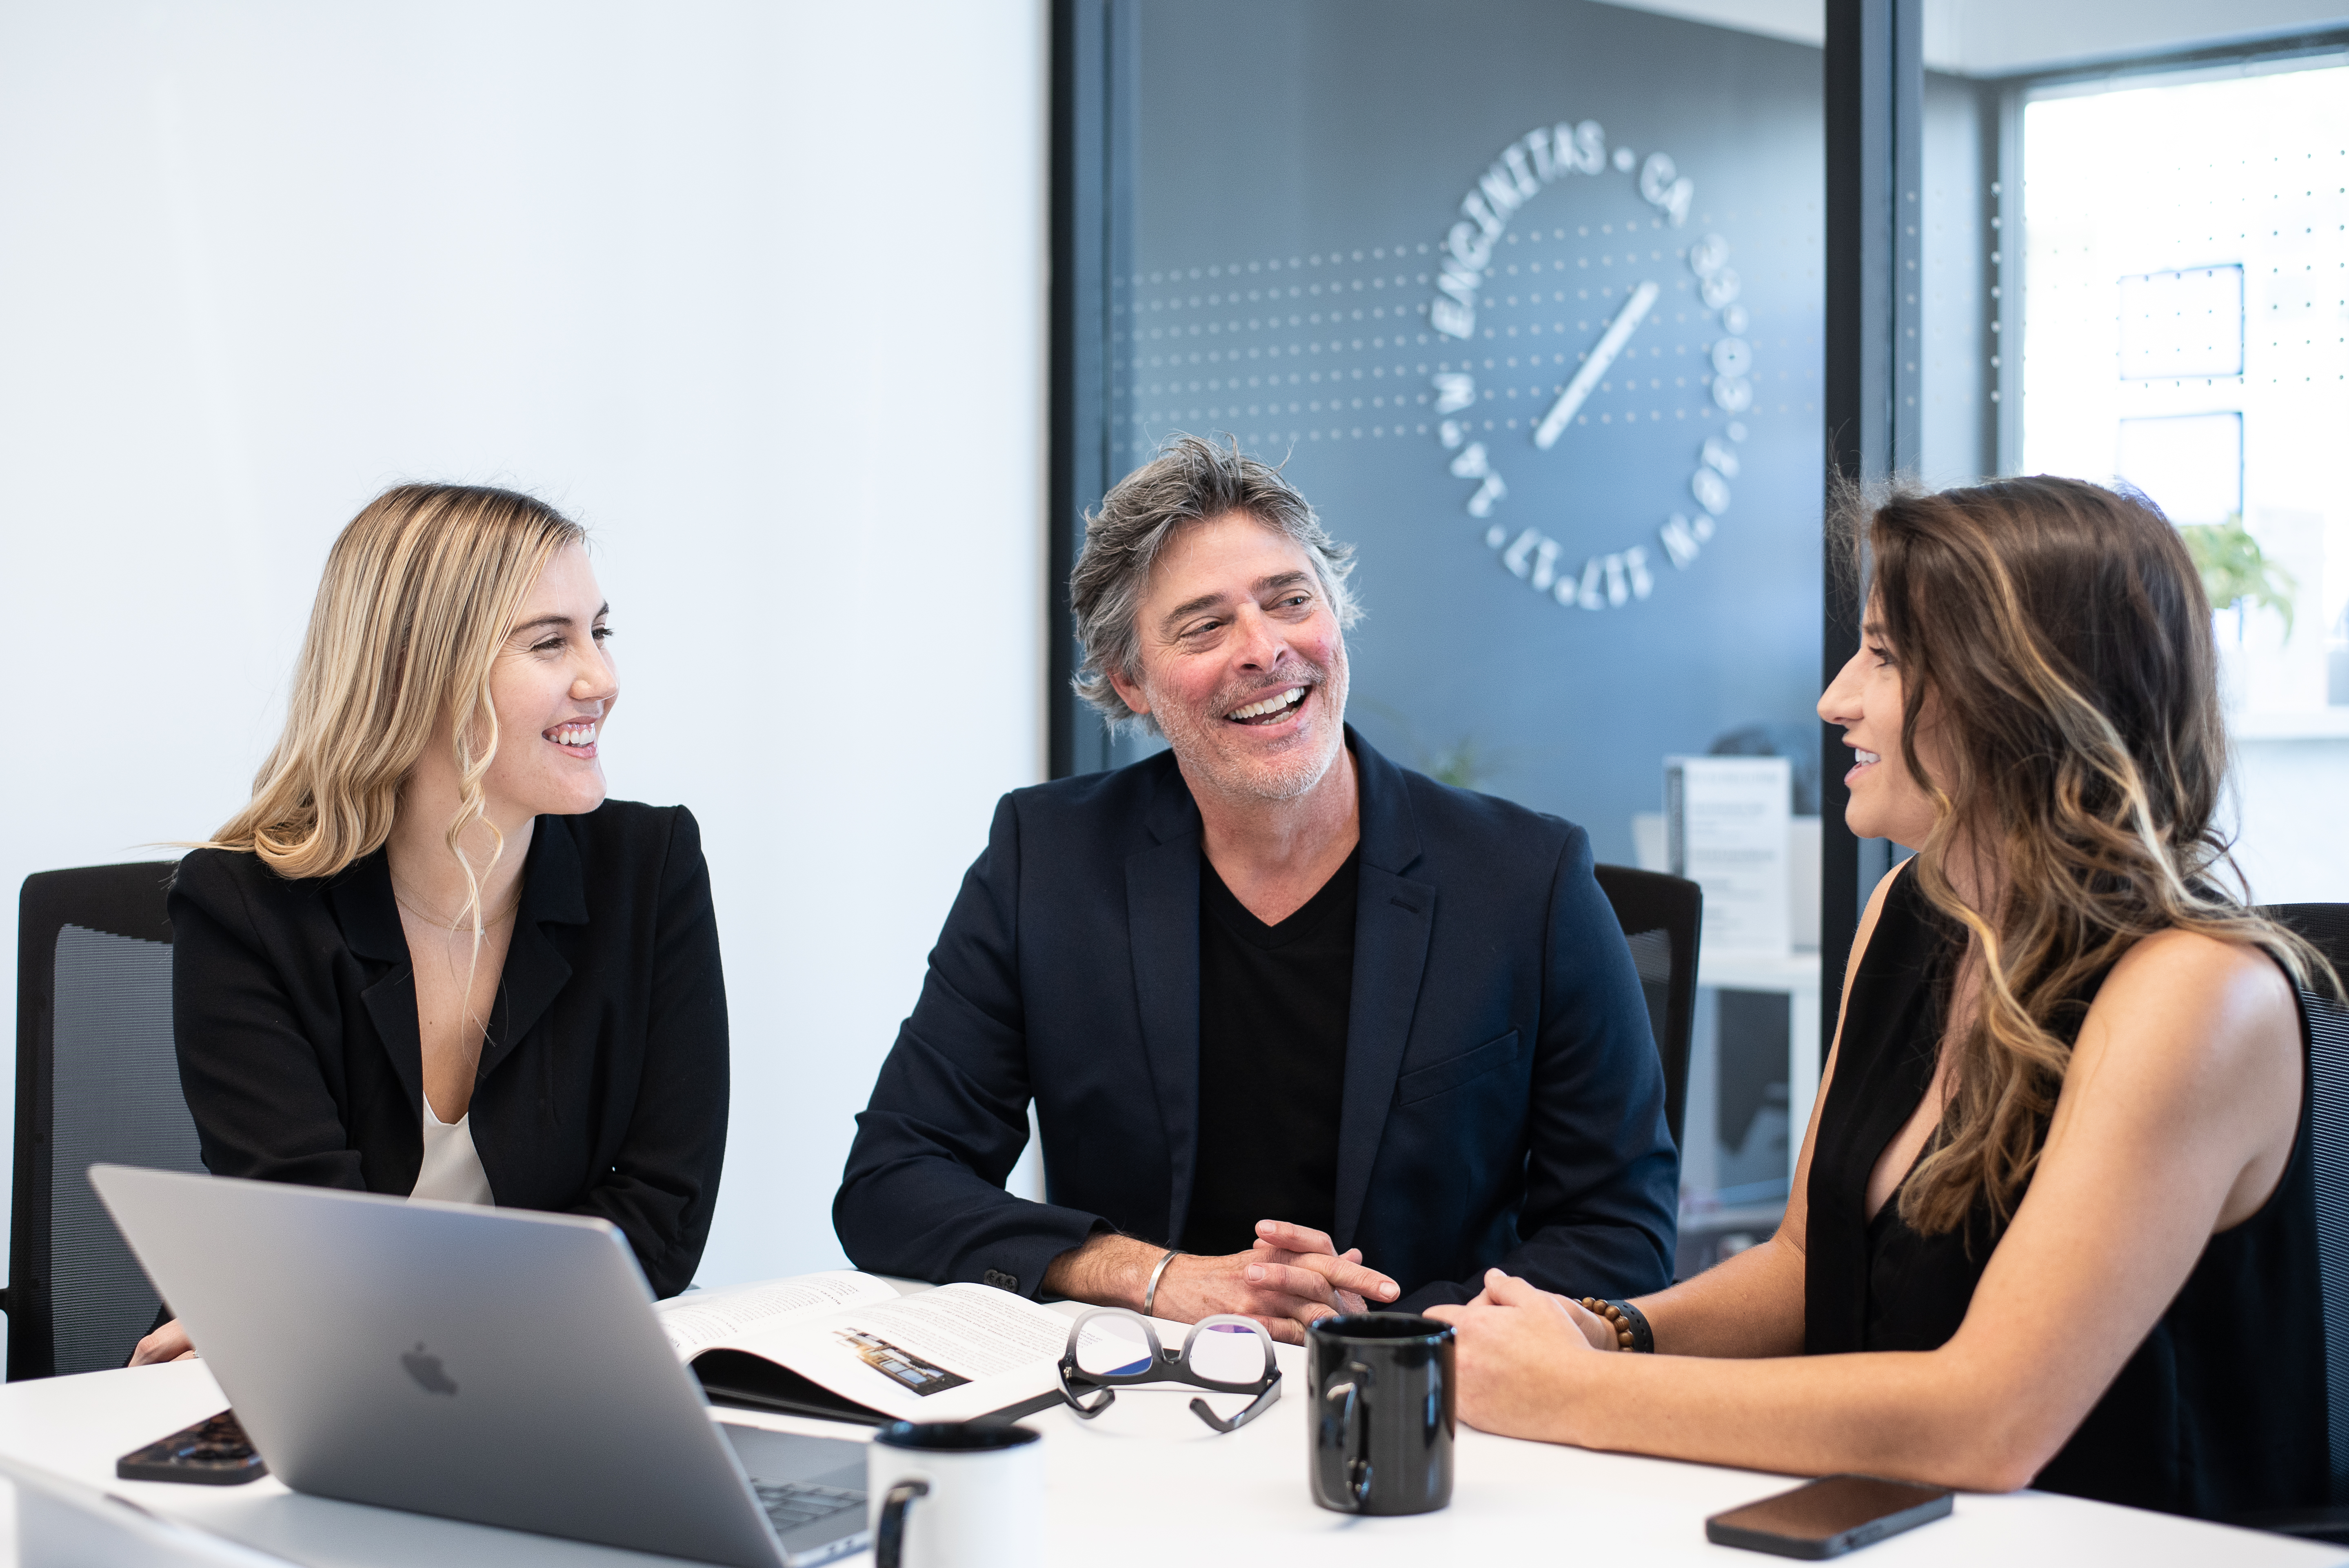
(1618,332)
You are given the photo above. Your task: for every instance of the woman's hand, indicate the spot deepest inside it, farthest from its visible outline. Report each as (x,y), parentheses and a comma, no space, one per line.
(1520,1353)
(169,1343)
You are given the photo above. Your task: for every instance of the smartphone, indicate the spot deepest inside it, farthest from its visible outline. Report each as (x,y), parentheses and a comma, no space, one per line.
(1831,1516)
(212,1452)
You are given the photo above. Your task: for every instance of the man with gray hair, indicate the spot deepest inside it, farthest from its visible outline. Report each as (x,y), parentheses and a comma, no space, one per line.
(1304,1030)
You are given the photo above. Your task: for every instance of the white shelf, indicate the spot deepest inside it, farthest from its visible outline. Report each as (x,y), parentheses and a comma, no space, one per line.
(1788,973)
(2290,724)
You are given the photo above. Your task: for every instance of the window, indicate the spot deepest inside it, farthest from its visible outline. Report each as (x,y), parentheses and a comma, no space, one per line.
(2185,283)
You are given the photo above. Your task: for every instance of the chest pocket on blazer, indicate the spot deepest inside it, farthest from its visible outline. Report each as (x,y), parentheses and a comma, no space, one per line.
(1442,1076)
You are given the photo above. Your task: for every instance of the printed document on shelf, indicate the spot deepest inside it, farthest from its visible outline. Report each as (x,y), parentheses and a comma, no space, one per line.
(1726,827)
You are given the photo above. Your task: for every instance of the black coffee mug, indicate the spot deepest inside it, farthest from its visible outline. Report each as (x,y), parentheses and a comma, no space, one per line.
(1382,1387)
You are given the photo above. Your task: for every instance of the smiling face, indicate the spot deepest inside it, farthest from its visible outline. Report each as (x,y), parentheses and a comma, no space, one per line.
(553,685)
(1241,662)
(1866,699)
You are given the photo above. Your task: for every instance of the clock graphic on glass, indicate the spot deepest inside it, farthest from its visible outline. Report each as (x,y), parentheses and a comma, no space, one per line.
(1610,314)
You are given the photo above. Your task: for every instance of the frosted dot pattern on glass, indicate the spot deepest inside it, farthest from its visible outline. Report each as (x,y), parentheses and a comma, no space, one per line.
(2182,323)
(1336,345)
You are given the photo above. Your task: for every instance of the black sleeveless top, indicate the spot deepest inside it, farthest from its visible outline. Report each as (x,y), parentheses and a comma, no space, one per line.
(2220,1412)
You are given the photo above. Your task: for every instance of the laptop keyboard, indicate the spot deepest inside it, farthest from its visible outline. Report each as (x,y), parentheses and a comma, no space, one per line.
(790,1504)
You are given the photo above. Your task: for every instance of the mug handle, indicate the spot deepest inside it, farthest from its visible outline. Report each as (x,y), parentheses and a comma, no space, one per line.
(889,1537)
(1354,1414)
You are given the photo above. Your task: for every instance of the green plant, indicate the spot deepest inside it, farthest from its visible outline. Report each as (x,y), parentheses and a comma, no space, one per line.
(2235,572)
(1460,766)
(1463,766)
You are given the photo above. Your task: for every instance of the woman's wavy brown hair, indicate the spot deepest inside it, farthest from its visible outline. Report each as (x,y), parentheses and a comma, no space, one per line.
(2060,638)
(418,594)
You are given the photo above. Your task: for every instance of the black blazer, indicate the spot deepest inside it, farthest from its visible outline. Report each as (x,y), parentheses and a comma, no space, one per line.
(1503,1101)
(602,1082)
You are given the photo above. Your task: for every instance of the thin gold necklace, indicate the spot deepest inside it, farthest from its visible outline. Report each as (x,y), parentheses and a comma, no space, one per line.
(452,927)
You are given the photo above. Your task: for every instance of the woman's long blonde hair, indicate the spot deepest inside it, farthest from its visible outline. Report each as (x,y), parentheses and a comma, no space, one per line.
(2061,637)
(418,594)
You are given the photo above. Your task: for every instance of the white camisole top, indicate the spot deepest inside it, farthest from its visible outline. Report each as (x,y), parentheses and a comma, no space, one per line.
(452,1168)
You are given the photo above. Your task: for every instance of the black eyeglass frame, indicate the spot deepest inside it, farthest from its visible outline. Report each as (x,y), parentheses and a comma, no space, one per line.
(1168,1366)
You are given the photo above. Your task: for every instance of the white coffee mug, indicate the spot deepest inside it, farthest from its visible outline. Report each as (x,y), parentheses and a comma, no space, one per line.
(955,1494)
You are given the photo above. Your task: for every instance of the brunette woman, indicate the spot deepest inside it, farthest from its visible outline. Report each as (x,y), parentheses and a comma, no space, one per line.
(2053,1221)
(430,958)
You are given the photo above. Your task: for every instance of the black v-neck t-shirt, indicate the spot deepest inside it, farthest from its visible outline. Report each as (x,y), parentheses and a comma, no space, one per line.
(1273,1005)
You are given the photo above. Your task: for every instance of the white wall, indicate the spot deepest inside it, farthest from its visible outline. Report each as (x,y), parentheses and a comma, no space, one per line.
(2005,37)
(2286,796)
(2001,38)
(755,290)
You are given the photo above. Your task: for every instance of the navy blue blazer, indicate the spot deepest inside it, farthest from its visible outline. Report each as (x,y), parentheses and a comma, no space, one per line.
(1502,1100)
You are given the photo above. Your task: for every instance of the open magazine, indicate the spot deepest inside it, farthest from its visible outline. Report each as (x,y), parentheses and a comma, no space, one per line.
(847,1346)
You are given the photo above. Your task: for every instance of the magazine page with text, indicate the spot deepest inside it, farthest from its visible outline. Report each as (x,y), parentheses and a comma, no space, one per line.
(703,1319)
(847,1346)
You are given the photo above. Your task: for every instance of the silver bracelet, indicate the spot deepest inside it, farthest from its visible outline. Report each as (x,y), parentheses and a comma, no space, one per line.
(1151,1295)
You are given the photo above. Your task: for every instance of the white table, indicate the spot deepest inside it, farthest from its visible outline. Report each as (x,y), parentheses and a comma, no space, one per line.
(1146,1484)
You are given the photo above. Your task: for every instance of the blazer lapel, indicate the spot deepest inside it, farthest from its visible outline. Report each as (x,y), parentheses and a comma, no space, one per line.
(1162,914)
(1394,916)
(554,893)
(370,920)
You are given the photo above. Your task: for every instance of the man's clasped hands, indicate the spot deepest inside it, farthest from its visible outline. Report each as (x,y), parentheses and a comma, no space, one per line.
(1290,1276)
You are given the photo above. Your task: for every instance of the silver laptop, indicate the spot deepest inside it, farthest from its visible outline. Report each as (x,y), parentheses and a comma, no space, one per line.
(493,1365)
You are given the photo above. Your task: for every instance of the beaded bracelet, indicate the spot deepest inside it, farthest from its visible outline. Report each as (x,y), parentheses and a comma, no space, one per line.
(1630,1324)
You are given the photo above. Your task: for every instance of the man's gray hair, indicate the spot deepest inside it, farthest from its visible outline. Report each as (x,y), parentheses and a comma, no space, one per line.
(1190,481)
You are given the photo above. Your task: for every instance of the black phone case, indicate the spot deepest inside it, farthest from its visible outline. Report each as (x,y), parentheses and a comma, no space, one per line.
(214,1452)
(1813,1550)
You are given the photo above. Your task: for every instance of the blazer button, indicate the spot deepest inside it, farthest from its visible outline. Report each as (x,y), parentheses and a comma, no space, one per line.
(1000,1281)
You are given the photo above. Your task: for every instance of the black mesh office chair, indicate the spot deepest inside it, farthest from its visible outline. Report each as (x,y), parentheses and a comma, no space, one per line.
(2326,927)
(96,1080)
(1661,917)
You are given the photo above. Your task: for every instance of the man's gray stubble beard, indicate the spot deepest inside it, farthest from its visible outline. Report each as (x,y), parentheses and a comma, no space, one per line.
(1289,780)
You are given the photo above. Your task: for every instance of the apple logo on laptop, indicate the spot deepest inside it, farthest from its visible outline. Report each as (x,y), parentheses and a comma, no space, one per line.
(425,1367)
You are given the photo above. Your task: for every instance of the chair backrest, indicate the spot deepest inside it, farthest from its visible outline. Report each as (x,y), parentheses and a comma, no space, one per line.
(2326,927)
(1661,917)
(96,1080)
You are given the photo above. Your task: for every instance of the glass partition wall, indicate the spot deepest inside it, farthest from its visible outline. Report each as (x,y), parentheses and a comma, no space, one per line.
(1532,297)
(1525,295)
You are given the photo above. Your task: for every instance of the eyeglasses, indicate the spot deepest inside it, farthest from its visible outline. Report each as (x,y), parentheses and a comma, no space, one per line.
(1110,1347)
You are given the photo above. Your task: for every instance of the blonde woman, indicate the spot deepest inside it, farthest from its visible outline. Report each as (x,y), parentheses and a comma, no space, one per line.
(2054,1221)
(430,958)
